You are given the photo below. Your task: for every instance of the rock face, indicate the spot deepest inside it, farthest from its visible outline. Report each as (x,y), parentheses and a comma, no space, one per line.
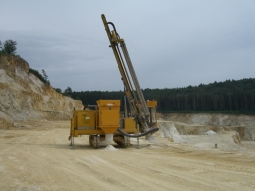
(198,124)
(23,96)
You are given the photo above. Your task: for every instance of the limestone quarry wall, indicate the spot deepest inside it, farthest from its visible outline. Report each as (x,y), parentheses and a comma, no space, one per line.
(192,124)
(23,96)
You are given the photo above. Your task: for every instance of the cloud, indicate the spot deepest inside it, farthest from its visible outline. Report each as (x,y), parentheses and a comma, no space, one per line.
(171,43)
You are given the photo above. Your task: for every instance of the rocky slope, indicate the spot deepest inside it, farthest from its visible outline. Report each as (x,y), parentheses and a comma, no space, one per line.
(24,97)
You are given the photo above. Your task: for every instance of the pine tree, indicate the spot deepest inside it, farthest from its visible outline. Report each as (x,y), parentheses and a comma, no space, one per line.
(45,77)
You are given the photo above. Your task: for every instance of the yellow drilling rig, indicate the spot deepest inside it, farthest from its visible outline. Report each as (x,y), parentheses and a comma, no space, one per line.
(104,121)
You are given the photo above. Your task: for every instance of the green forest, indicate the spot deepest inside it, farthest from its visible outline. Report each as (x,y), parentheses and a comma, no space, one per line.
(231,96)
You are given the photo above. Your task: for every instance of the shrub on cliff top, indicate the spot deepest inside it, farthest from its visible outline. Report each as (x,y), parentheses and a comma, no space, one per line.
(8,47)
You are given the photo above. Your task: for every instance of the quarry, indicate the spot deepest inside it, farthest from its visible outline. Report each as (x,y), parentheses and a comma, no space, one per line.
(191,152)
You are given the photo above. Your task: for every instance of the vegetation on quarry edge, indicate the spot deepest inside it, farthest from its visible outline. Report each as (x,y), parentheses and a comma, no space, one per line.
(231,96)
(8,48)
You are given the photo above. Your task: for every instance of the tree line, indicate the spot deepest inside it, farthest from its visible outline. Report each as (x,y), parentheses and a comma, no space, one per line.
(232,96)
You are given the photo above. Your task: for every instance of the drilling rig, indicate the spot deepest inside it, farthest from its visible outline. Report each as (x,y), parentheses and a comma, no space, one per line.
(105,121)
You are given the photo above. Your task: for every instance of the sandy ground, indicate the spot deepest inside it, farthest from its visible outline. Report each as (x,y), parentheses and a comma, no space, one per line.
(36,156)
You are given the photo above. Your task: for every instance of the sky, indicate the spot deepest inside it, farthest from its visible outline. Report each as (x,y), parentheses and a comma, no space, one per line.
(172,43)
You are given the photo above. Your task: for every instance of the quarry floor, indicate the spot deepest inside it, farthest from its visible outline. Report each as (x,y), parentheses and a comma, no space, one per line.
(36,156)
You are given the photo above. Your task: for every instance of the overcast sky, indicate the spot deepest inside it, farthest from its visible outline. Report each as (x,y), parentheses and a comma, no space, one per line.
(172,43)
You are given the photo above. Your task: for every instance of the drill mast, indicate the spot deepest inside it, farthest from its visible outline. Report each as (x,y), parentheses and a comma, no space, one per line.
(132,89)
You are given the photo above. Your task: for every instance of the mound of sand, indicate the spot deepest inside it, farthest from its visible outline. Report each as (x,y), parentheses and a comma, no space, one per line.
(210,132)
(110,148)
(168,130)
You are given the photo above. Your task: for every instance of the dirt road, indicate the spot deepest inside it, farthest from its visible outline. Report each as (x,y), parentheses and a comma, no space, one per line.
(36,156)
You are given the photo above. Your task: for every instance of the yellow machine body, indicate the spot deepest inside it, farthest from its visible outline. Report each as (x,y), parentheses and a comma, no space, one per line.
(108,115)
(152,105)
(106,118)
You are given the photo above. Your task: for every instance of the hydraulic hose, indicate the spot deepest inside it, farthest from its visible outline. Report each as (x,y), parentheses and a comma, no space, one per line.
(152,130)
(113,27)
